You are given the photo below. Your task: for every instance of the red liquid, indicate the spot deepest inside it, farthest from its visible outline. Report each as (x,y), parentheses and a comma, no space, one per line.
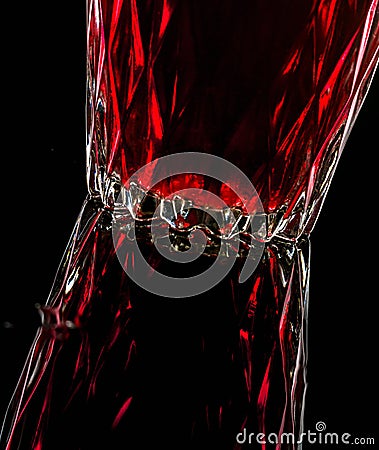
(267,87)
(274,90)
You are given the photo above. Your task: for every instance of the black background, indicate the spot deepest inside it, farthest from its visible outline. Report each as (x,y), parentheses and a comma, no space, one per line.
(43,187)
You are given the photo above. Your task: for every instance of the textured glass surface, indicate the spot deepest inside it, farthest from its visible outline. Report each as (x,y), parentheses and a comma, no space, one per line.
(274,90)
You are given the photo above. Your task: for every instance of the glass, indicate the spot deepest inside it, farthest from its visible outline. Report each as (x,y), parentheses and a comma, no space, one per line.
(276,97)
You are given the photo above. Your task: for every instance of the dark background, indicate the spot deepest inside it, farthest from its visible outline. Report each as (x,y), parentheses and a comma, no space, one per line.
(43,187)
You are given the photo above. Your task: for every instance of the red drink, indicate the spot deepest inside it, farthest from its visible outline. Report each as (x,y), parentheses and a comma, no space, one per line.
(274,90)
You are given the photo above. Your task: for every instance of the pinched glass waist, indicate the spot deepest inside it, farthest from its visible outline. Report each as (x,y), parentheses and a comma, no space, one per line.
(146,215)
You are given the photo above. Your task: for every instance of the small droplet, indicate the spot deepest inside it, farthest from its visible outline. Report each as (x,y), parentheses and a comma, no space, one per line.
(70,324)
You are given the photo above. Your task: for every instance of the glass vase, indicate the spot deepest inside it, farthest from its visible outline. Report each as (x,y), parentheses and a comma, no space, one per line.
(265,94)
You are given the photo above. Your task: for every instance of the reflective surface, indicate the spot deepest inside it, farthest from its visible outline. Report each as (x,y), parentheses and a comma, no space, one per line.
(93,367)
